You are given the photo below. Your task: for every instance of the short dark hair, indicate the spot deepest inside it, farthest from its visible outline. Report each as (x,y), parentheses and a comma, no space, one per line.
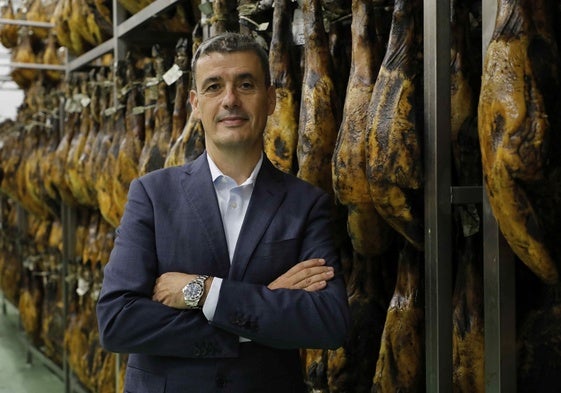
(229,43)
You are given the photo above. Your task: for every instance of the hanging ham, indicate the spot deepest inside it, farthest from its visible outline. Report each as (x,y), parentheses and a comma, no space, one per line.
(394,131)
(281,134)
(369,233)
(519,126)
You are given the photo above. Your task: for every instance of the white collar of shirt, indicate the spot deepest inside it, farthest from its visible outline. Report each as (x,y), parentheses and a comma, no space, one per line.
(215,172)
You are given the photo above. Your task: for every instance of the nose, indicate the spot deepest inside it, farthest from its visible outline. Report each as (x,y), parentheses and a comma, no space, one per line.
(230,99)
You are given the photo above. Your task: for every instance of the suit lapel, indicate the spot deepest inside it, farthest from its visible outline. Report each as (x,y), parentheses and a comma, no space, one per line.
(200,194)
(267,195)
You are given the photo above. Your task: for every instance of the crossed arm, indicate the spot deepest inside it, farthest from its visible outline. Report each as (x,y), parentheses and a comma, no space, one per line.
(310,275)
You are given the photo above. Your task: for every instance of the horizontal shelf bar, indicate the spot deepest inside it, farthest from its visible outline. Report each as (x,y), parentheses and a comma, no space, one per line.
(466,194)
(35,66)
(30,23)
(91,55)
(35,353)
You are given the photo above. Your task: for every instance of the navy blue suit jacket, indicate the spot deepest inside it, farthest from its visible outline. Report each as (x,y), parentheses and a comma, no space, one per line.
(172,223)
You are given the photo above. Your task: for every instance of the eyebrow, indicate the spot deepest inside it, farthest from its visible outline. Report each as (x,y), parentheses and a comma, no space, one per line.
(242,76)
(210,79)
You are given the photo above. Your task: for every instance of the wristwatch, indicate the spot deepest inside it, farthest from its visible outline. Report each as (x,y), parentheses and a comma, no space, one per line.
(194,291)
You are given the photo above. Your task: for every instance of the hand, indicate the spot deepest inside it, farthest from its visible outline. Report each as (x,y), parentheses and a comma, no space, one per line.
(168,289)
(310,275)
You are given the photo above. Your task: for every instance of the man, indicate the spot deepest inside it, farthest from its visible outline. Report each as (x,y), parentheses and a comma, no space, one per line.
(204,287)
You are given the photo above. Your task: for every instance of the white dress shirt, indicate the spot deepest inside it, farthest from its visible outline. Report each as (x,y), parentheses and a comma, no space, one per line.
(233,200)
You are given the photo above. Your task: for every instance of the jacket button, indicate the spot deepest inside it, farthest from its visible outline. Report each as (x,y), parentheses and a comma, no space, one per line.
(220,382)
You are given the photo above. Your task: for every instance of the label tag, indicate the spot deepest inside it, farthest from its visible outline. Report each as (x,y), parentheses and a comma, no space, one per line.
(206,8)
(83,287)
(298,27)
(172,75)
(138,110)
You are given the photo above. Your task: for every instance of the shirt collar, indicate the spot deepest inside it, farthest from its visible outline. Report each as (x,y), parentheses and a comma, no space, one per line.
(216,173)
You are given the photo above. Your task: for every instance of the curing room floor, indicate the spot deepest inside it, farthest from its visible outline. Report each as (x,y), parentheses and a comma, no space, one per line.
(17,375)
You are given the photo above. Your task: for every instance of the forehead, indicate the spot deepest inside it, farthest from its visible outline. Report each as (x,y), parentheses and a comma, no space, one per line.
(228,65)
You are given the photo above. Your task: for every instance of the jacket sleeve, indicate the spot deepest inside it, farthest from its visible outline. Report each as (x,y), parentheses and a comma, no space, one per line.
(285,318)
(129,320)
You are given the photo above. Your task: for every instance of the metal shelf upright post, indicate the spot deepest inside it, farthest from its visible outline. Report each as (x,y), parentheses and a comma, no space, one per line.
(498,279)
(438,220)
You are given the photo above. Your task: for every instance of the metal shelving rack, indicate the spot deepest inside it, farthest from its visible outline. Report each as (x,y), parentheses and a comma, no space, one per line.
(32,353)
(498,274)
(123,28)
(37,66)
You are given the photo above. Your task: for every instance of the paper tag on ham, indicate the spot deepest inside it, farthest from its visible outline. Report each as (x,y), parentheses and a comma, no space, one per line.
(298,27)
(172,75)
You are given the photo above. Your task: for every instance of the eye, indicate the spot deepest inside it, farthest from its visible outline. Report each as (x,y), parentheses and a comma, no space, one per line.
(247,85)
(212,87)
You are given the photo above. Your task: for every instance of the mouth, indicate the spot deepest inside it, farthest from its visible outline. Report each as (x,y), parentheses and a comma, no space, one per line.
(232,119)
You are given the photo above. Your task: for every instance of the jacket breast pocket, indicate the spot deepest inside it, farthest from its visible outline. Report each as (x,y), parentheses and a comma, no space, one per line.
(272,259)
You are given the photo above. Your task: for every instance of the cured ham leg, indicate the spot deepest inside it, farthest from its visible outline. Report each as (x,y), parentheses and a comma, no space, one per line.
(400,366)
(519,133)
(281,134)
(318,124)
(369,233)
(394,145)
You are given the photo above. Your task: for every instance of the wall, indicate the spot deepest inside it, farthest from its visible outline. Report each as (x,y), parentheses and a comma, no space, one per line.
(11,96)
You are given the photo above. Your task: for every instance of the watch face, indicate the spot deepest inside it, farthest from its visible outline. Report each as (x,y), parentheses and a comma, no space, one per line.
(193,291)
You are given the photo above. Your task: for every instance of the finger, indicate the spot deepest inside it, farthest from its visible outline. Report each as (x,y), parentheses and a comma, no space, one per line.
(307,274)
(323,275)
(305,265)
(316,286)
(311,263)
(293,278)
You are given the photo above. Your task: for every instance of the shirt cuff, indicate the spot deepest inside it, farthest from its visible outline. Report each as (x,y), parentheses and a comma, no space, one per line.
(209,308)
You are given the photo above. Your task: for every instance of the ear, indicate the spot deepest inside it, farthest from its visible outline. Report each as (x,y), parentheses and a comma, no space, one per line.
(271,99)
(194,101)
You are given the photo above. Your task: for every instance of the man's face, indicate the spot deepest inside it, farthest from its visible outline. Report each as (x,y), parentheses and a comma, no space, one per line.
(232,100)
